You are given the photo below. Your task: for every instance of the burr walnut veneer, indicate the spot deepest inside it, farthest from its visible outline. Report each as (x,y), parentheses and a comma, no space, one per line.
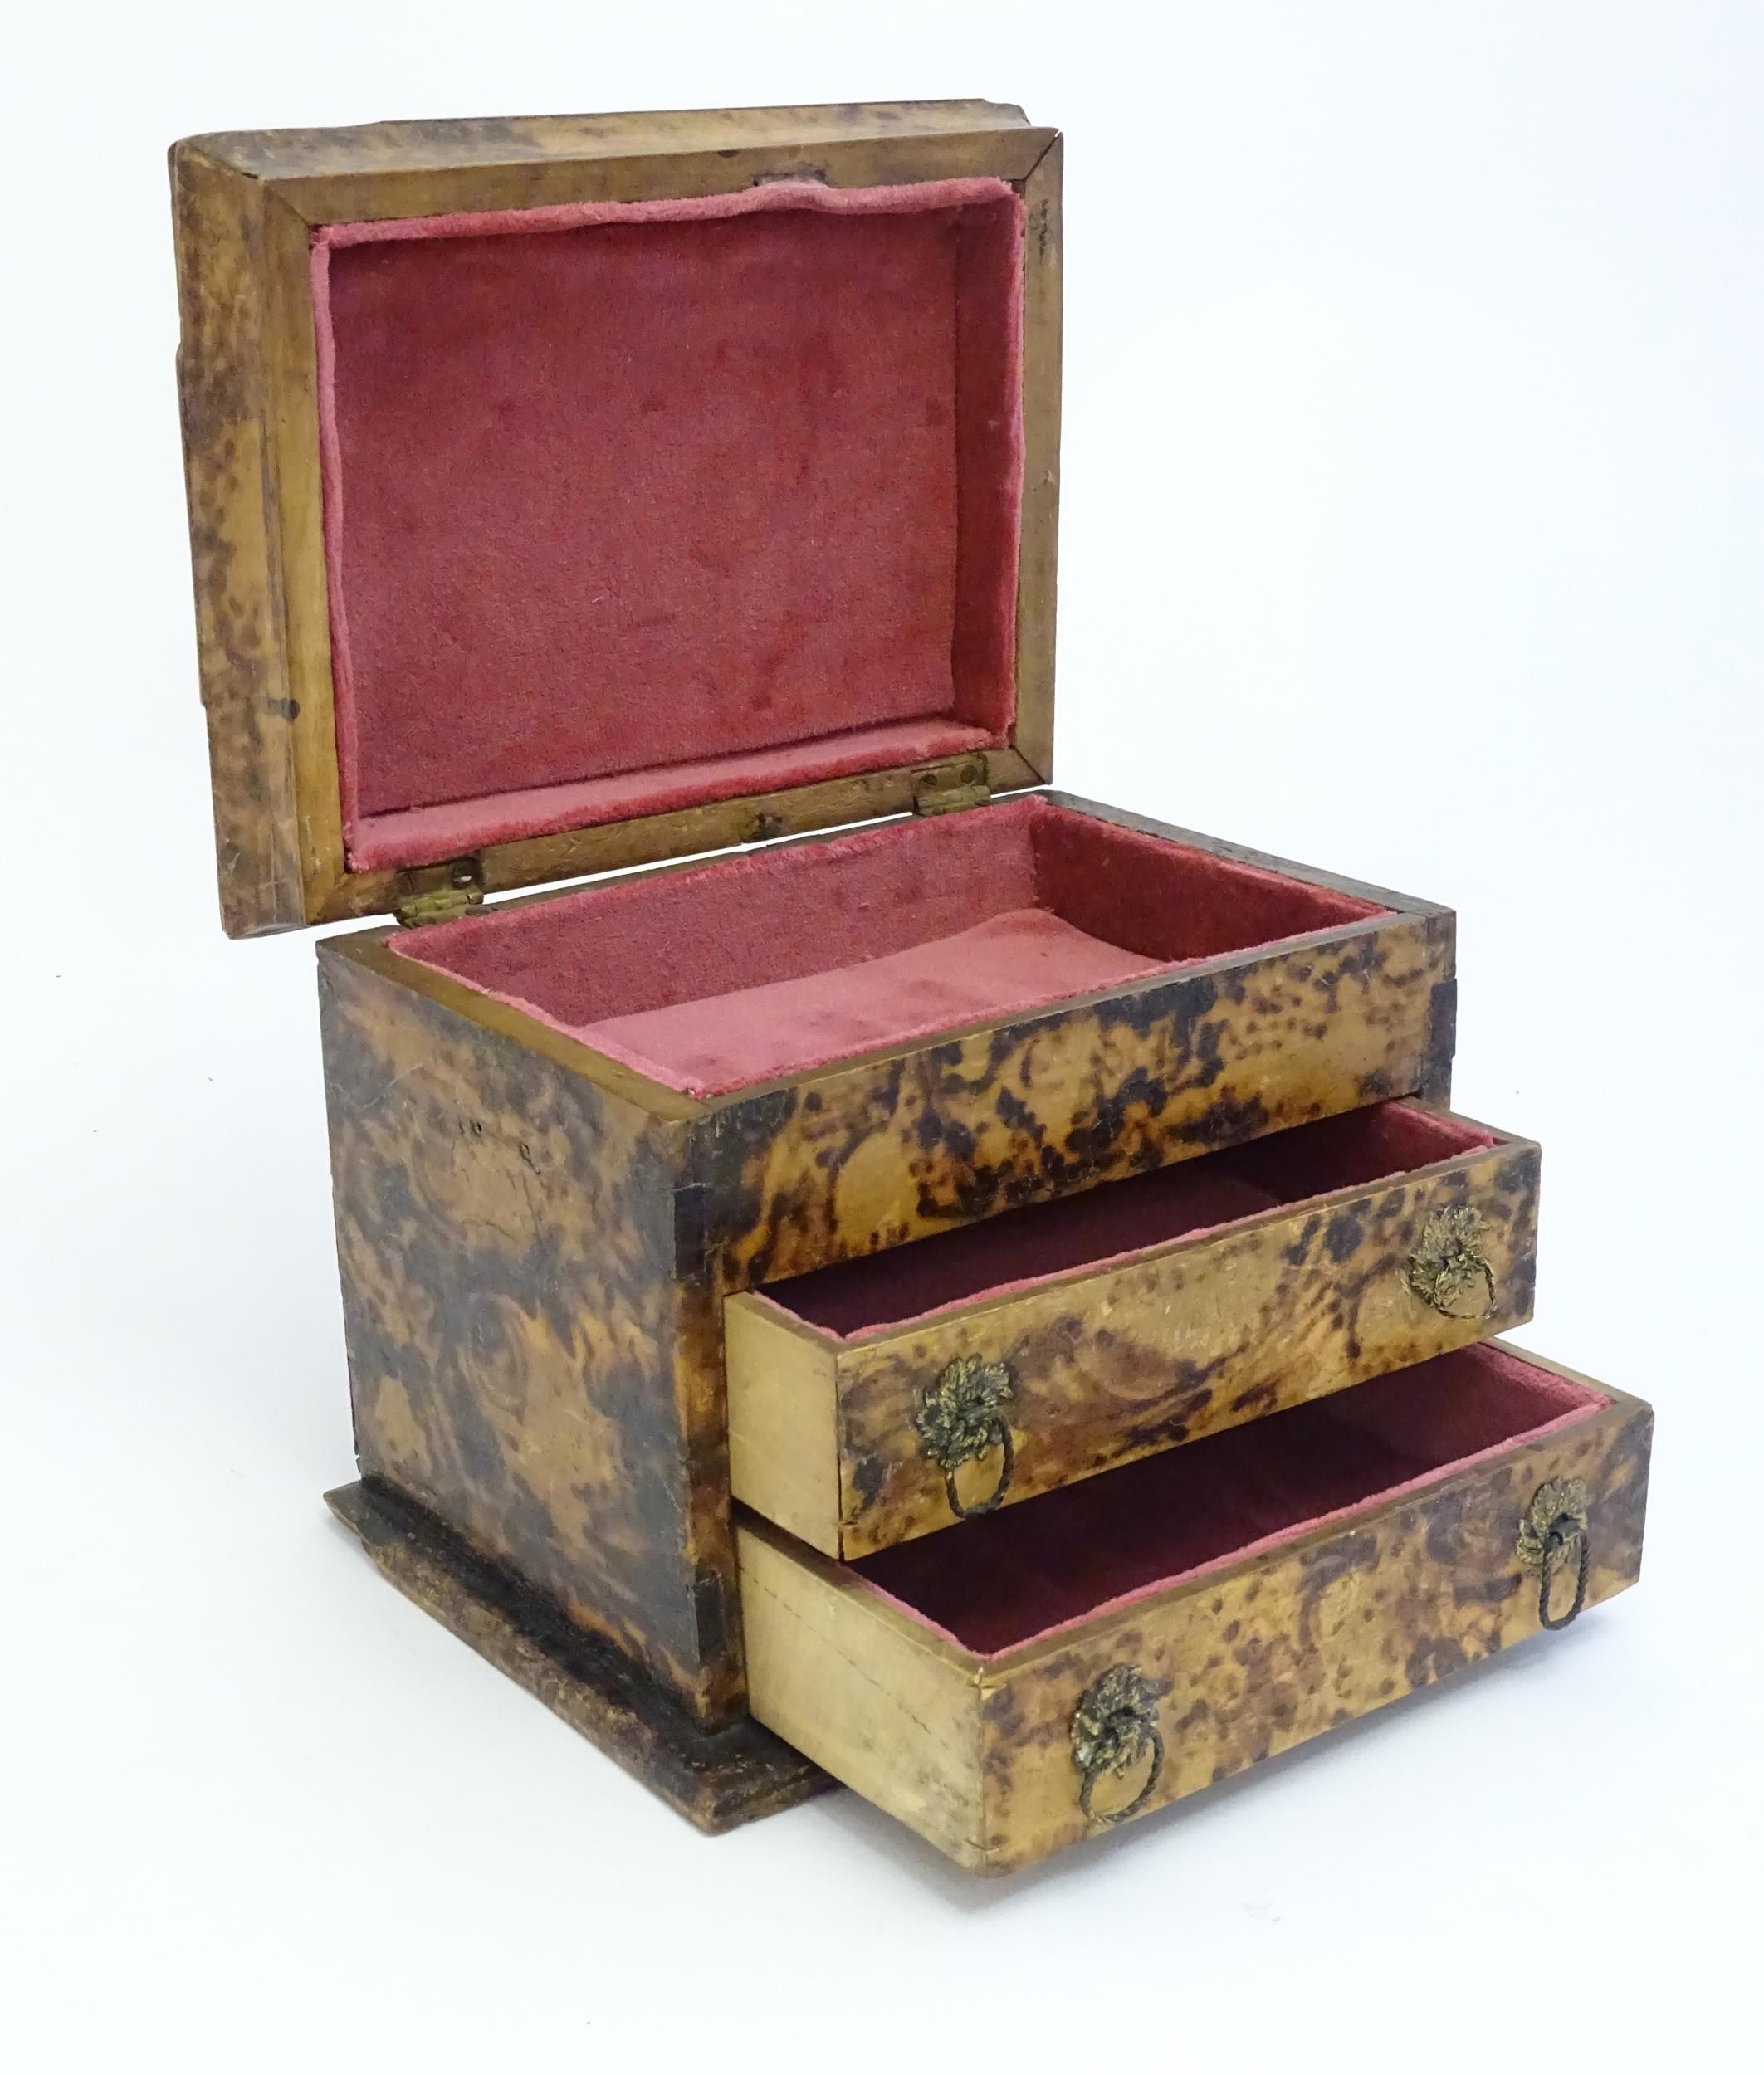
(958,1289)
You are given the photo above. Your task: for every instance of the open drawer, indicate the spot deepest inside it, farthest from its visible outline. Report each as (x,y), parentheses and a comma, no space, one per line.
(877,1400)
(1124,1642)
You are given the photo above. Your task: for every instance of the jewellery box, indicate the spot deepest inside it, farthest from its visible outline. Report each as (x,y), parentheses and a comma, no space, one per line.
(956,1290)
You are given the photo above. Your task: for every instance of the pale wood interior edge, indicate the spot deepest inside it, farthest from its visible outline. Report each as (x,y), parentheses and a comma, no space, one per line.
(783,1399)
(885,1704)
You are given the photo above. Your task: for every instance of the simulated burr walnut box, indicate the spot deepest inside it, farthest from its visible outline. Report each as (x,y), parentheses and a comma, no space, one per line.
(954,1289)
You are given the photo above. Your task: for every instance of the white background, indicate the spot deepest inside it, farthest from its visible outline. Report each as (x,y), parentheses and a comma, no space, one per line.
(1411,526)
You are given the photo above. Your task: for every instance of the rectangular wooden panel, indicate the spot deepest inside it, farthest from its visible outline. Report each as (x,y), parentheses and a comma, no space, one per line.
(245,203)
(1239,1661)
(1109,1363)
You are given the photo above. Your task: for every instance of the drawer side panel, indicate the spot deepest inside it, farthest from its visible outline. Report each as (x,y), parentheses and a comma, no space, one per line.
(890,1708)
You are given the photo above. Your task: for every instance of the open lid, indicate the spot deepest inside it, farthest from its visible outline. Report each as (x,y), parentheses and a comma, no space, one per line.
(571,493)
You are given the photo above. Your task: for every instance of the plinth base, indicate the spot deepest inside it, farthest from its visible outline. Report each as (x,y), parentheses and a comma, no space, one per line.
(717,1779)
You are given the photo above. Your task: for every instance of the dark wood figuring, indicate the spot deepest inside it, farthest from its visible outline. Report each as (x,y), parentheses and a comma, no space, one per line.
(535,1342)
(1240,1662)
(1278,1649)
(1110,1362)
(535,1240)
(866,1154)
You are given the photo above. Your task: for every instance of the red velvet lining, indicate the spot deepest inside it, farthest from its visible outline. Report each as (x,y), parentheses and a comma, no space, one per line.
(615,491)
(993,1584)
(753,967)
(1005,1254)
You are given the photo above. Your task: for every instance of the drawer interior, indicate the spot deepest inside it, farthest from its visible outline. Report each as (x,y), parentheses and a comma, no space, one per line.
(1003,1255)
(996,1584)
(758,966)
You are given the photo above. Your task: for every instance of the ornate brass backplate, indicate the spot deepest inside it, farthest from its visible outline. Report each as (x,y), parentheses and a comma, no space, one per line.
(1552,1525)
(1114,1729)
(961,1418)
(1449,1269)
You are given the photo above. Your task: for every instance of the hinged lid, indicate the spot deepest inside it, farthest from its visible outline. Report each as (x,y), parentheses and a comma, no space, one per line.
(570,493)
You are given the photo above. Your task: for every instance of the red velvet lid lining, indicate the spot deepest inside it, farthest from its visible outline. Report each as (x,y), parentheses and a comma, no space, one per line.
(627,503)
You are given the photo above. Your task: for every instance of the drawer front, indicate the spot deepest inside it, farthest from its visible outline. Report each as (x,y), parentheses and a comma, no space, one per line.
(856,1446)
(1002,1760)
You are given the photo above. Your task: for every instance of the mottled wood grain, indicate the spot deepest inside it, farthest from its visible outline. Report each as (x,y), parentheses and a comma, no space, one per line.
(535,1341)
(845,1161)
(535,1241)
(1267,1653)
(225,369)
(716,1779)
(1244,1661)
(1113,1364)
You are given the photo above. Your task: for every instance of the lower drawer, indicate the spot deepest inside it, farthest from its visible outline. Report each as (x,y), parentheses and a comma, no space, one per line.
(1056,1668)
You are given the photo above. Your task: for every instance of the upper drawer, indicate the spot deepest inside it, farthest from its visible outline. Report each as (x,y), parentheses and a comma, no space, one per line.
(1129,1640)
(885,1398)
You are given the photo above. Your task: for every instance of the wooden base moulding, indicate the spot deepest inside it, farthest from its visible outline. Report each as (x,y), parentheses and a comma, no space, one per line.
(717,1779)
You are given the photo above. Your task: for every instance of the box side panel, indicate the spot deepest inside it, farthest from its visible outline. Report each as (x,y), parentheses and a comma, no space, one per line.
(1263,1656)
(890,1708)
(1109,1367)
(847,1162)
(223,379)
(534,1349)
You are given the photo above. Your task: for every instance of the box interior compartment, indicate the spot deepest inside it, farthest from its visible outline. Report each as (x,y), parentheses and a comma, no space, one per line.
(1001,1256)
(750,967)
(630,506)
(1091,1547)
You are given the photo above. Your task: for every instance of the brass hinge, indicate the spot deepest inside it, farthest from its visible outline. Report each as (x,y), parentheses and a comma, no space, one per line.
(437,893)
(950,786)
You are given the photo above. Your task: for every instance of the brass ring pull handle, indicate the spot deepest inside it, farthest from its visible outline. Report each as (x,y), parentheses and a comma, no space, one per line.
(1449,1269)
(962,1417)
(1113,1727)
(1554,1524)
